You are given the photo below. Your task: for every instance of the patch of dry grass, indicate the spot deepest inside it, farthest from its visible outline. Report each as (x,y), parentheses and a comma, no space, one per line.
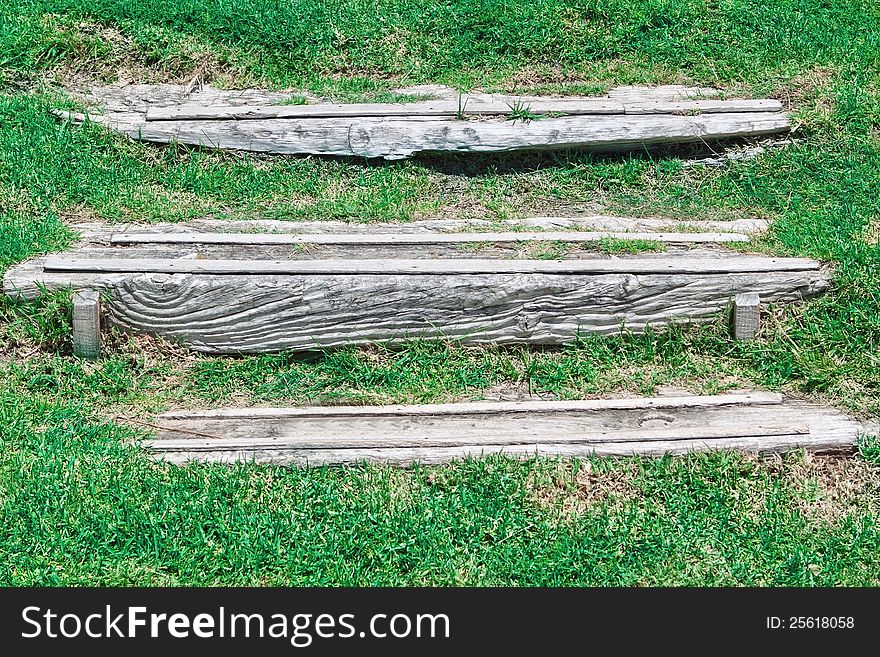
(829,488)
(574,488)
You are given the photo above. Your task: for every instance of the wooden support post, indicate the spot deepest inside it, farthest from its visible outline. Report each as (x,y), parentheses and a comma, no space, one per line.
(87,324)
(746,316)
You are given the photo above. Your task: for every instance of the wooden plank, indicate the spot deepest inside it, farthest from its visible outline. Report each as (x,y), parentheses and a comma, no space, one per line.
(311,252)
(444,267)
(392,239)
(396,139)
(253,314)
(439,455)
(353,441)
(523,427)
(469,107)
(29,279)
(241,314)
(490,427)
(229,313)
(596,223)
(526,424)
(746,316)
(87,324)
(642,426)
(670,92)
(481,407)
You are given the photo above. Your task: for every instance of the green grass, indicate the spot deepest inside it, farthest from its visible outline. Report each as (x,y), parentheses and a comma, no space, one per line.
(81,504)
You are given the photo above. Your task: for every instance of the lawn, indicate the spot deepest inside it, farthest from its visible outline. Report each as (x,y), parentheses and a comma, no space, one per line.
(81,504)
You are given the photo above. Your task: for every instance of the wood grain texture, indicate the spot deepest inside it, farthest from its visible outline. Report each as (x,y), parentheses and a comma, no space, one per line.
(138,98)
(379,435)
(371,252)
(193,443)
(435,267)
(397,138)
(93,231)
(244,314)
(469,106)
(533,407)
(393,239)
(439,455)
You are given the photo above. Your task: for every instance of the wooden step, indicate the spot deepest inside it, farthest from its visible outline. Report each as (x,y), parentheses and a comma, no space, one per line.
(429,434)
(469,106)
(471,123)
(262,292)
(102,233)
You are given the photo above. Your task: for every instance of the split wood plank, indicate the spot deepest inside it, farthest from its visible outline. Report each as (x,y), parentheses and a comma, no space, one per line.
(392,239)
(445,267)
(389,429)
(381,436)
(196,443)
(91,231)
(439,455)
(468,107)
(397,138)
(382,425)
(483,407)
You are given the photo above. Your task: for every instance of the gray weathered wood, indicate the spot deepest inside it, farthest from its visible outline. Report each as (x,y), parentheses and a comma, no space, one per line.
(396,138)
(138,98)
(397,436)
(392,239)
(444,267)
(643,93)
(195,443)
(482,407)
(229,314)
(746,316)
(470,106)
(601,223)
(87,324)
(223,306)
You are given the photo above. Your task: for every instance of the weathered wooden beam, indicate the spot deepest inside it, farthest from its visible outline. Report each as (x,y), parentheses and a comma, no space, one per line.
(87,324)
(469,106)
(397,435)
(400,137)
(428,239)
(241,314)
(442,267)
(481,408)
(404,457)
(746,316)
(217,308)
(597,223)
(188,441)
